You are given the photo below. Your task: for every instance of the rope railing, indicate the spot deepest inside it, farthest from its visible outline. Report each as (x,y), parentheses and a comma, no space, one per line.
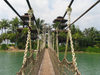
(66,67)
(58,25)
(30,65)
(63,67)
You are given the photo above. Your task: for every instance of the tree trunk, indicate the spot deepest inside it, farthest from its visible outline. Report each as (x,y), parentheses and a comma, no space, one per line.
(6,36)
(16,40)
(23,26)
(53,41)
(57,42)
(38,41)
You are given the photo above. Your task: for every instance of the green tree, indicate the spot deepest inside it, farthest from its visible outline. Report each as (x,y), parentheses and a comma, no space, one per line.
(57,45)
(4,26)
(1,27)
(39,28)
(90,34)
(15,23)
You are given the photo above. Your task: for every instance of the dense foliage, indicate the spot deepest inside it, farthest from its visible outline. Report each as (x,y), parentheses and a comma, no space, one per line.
(13,30)
(16,32)
(87,40)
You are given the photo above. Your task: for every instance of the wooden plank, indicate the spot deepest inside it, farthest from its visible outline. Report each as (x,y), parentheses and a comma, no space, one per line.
(46,67)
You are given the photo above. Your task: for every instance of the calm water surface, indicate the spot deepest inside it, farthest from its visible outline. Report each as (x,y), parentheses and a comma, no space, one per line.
(88,64)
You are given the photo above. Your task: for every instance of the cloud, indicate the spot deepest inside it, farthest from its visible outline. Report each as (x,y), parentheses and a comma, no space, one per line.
(50,9)
(91,19)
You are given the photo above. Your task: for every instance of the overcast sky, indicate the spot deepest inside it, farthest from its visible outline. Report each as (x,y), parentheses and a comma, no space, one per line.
(50,9)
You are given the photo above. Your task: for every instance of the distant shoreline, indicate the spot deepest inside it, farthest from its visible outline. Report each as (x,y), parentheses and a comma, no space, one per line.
(20,50)
(12,50)
(83,52)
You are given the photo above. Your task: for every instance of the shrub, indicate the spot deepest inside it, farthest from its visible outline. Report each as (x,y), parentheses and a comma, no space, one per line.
(62,48)
(11,44)
(4,47)
(21,45)
(98,45)
(93,49)
(34,45)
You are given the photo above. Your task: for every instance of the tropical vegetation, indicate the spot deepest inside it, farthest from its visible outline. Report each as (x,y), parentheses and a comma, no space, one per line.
(14,33)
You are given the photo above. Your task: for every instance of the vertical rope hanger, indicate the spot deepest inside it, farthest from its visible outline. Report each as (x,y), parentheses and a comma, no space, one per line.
(30,25)
(28,39)
(69,38)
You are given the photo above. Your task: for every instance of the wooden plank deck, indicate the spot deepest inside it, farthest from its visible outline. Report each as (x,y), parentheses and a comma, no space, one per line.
(46,67)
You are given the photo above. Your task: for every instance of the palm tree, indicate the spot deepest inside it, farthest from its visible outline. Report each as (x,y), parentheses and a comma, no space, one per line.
(57,46)
(53,42)
(39,28)
(14,26)
(90,34)
(4,25)
(1,27)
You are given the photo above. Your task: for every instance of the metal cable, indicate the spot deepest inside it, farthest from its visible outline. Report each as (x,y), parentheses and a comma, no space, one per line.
(13,9)
(84,13)
(66,11)
(71,3)
(29,5)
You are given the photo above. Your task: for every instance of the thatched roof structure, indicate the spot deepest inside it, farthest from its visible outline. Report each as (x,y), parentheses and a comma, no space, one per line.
(60,19)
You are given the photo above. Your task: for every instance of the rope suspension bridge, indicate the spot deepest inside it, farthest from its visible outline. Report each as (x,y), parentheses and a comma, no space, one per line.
(46,60)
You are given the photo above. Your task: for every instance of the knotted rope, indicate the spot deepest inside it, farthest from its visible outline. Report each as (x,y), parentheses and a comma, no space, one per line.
(28,39)
(69,37)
